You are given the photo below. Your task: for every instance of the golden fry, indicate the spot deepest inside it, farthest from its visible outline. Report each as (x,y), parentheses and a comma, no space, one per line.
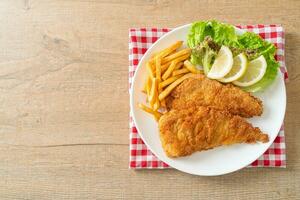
(167,51)
(156,114)
(158,68)
(169,71)
(167,91)
(179,65)
(164,67)
(180,71)
(191,67)
(148,88)
(182,58)
(156,104)
(170,49)
(145,86)
(153,92)
(158,77)
(174,51)
(150,70)
(168,81)
(176,55)
(156,54)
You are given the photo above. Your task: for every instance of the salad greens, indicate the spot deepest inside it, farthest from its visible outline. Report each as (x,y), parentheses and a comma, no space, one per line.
(206,37)
(205,53)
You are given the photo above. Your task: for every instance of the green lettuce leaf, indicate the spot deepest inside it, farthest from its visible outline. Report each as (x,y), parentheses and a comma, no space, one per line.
(224,34)
(253,41)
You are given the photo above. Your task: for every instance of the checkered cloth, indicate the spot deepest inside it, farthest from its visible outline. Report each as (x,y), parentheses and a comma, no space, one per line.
(140,39)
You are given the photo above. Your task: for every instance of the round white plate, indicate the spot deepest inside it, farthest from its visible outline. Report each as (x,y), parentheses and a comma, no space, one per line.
(219,160)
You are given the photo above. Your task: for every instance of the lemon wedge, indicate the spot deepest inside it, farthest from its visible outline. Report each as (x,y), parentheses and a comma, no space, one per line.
(238,69)
(255,72)
(222,64)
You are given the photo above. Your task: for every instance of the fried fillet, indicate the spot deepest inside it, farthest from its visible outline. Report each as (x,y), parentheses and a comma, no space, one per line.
(201,91)
(183,132)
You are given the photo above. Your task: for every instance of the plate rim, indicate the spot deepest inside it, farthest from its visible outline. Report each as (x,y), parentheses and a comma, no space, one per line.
(141,135)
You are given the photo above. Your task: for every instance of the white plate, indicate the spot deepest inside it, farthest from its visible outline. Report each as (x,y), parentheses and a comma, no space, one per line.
(220,160)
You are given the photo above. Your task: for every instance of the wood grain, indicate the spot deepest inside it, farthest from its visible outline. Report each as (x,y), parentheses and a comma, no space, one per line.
(64,100)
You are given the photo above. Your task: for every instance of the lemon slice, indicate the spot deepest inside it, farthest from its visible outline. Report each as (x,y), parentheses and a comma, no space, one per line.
(238,69)
(255,71)
(222,65)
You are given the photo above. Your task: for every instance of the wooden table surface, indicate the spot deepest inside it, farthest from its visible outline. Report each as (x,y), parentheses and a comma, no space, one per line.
(64,100)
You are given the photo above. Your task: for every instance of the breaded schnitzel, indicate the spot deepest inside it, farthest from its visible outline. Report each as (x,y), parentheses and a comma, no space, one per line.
(185,131)
(201,91)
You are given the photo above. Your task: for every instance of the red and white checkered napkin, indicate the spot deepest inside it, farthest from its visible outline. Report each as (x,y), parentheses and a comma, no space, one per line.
(140,39)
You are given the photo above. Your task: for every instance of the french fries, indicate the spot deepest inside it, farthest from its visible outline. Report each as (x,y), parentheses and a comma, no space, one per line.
(148,88)
(179,65)
(180,71)
(168,81)
(156,104)
(158,68)
(150,70)
(167,91)
(153,92)
(158,76)
(145,86)
(166,70)
(191,67)
(176,55)
(182,58)
(168,50)
(156,114)
(169,70)
(164,67)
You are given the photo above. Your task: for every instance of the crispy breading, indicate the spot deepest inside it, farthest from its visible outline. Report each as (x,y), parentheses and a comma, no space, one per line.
(201,91)
(183,132)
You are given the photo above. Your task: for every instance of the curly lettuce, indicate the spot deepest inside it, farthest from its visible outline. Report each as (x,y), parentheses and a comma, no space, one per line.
(268,50)
(205,53)
(224,34)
